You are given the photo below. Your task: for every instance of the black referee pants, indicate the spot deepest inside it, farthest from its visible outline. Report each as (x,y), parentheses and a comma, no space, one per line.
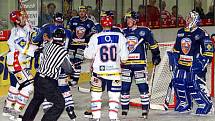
(45,88)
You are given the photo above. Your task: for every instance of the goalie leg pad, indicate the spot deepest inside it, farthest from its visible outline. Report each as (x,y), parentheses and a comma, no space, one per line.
(113,104)
(183,102)
(96,104)
(200,94)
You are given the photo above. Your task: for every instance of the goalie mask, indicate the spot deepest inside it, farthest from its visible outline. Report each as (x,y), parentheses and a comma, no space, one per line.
(192,20)
(59,36)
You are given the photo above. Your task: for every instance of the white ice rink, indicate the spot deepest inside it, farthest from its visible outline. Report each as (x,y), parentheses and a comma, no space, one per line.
(82,104)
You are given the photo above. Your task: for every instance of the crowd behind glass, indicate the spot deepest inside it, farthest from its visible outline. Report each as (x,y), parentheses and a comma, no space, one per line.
(152,13)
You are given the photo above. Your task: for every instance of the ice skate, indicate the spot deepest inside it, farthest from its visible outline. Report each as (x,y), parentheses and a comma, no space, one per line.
(7,111)
(15,116)
(88,114)
(124,114)
(145,115)
(71,113)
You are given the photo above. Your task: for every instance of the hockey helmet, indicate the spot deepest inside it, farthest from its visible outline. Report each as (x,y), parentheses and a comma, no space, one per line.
(107,13)
(132,14)
(84,8)
(15,16)
(59,36)
(58,17)
(192,19)
(107,21)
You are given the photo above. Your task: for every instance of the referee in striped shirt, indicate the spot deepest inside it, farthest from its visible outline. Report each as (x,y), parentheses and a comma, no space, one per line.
(45,84)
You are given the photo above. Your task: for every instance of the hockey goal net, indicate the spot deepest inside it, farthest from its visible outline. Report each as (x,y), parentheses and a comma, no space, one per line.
(163,77)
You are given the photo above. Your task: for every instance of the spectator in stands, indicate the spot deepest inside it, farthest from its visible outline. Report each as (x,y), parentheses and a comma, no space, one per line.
(174,14)
(96,11)
(210,14)
(141,13)
(70,13)
(90,14)
(198,8)
(153,13)
(48,17)
(165,15)
(44,16)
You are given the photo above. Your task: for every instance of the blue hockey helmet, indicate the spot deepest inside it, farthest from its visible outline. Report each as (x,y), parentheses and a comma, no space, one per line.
(132,14)
(107,13)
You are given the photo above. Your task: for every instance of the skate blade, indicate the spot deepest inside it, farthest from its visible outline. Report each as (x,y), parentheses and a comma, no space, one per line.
(143,117)
(6,114)
(12,118)
(88,116)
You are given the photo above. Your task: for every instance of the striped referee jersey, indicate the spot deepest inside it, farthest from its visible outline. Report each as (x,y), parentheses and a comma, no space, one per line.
(53,57)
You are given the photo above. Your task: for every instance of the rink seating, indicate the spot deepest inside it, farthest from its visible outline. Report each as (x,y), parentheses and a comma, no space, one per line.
(168,23)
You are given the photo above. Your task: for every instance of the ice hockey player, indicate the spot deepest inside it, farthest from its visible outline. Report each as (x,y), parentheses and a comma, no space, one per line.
(107,49)
(18,61)
(137,38)
(45,85)
(193,51)
(45,34)
(83,28)
(104,14)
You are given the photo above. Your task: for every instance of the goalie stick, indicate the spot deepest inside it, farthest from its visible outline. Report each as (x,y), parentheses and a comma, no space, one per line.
(168,96)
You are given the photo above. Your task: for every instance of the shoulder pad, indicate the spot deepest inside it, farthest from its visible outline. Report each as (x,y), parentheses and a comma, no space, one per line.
(203,31)
(44,25)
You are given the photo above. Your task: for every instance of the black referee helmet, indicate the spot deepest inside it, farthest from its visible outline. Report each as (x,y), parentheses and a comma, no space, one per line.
(59,36)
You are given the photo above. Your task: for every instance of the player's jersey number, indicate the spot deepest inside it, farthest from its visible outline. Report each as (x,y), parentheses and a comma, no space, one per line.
(108,53)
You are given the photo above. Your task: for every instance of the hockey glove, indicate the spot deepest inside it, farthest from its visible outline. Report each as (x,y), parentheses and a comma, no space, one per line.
(199,64)
(156,59)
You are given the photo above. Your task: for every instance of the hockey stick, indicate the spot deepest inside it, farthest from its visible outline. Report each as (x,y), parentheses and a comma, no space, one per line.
(168,96)
(136,46)
(24,9)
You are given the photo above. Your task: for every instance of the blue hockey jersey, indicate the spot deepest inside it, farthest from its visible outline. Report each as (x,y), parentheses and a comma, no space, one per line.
(190,45)
(136,42)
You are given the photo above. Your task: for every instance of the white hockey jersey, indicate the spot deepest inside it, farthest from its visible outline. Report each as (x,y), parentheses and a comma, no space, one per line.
(20,49)
(107,49)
